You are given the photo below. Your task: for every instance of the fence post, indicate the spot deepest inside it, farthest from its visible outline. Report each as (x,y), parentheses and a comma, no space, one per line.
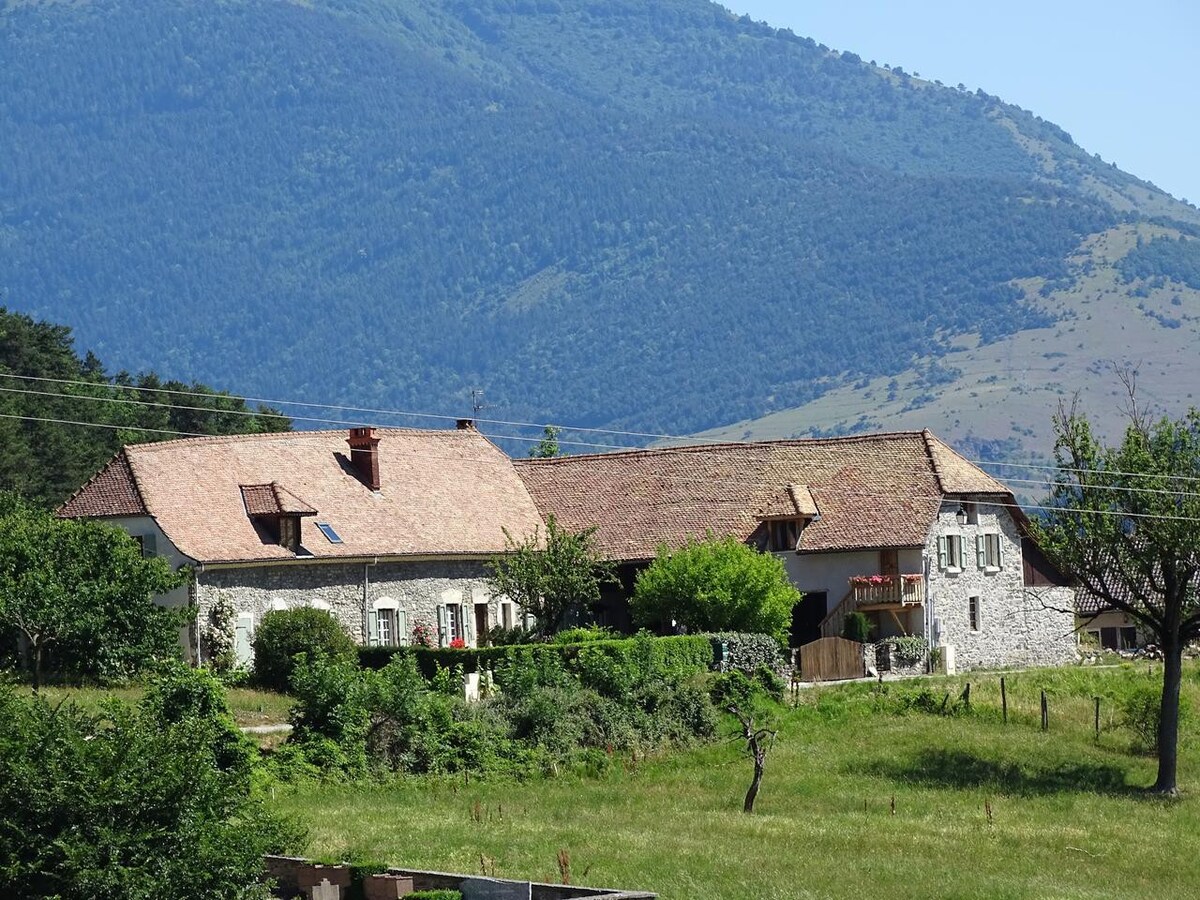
(1045,714)
(1097,720)
(1003,700)
(966,697)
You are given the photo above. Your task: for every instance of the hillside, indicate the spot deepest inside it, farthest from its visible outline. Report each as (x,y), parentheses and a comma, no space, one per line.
(645,215)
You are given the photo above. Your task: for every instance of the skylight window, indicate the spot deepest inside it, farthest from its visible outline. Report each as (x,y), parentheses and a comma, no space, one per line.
(327,530)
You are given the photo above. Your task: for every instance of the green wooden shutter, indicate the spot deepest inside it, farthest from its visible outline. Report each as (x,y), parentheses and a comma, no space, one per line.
(403,637)
(942,551)
(372,628)
(443,625)
(999,552)
(981,550)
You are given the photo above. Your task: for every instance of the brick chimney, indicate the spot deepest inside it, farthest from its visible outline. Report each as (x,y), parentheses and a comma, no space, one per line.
(364,455)
(465,424)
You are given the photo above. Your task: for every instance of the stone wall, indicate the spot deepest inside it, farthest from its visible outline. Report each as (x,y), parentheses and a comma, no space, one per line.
(347,590)
(1017,625)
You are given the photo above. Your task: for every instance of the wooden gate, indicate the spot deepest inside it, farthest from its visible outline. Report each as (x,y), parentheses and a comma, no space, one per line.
(830,659)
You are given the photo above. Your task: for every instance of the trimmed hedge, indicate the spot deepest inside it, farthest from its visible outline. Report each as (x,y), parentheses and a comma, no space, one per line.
(745,652)
(681,655)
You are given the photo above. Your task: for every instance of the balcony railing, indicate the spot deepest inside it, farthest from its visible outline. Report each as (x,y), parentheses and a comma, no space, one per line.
(887,590)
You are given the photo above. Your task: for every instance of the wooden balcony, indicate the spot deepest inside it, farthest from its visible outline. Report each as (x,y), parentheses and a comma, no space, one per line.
(867,593)
(882,591)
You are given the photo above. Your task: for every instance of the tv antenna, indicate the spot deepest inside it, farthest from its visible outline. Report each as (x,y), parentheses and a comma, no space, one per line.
(477,401)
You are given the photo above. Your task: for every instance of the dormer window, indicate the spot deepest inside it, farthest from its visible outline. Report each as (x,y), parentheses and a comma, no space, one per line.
(785,516)
(278,511)
(783,534)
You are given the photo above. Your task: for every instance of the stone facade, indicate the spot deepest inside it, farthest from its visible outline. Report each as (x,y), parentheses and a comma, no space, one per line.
(349,590)
(986,612)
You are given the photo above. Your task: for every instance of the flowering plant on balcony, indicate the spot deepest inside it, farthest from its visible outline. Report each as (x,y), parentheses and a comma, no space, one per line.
(458,644)
(872,580)
(883,580)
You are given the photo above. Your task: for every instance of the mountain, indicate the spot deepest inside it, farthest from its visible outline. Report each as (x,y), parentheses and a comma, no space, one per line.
(643,215)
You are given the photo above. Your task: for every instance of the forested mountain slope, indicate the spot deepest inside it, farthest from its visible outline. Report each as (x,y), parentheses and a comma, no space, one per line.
(643,214)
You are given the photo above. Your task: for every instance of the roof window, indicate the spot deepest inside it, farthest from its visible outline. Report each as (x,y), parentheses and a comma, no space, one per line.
(327,530)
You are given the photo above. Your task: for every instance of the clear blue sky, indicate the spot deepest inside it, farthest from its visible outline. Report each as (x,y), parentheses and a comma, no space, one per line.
(1121,79)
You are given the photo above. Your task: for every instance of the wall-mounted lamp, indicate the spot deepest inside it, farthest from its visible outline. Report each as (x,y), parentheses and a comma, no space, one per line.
(961,515)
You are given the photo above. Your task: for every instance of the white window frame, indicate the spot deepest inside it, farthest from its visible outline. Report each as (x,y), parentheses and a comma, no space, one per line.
(950,552)
(508,615)
(387,624)
(989,551)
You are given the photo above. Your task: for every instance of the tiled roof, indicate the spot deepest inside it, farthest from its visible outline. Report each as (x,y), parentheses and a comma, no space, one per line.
(958,476)
(795,501)
(442,492)
(111,492)
(872,491)
(273,500)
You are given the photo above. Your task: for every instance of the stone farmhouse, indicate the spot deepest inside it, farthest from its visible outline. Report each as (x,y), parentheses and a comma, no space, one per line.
(897,526)
(390,529)
(384,528)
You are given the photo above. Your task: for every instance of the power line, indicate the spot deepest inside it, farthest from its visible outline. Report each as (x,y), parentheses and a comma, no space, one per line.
(410,414)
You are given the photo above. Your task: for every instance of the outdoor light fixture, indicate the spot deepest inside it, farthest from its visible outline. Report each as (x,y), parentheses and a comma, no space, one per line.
(961,515)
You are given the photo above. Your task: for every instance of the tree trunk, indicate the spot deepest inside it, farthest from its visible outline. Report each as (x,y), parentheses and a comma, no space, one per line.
(37,667)
(1168,721)
(759,761)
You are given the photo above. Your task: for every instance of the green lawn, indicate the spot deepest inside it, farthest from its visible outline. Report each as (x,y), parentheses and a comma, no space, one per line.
(1067,819)
(250,707)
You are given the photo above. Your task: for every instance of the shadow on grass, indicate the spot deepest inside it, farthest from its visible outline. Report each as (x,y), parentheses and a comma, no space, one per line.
(963,770)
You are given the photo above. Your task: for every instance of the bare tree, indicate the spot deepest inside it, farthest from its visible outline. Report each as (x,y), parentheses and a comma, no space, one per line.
(758,742)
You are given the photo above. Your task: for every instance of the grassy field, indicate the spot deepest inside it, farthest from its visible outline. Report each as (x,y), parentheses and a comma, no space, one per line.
(1066,815)
(250,707)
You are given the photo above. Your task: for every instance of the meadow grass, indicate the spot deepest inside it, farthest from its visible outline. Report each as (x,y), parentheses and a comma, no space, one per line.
(249,706)
(1067,818)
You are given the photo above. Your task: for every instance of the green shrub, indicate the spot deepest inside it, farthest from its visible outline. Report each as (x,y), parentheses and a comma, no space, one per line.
(585,634)
(440,894)
(332,714)
(284,633)
(857,627)
(1141,711)
(745,652)
(130,802)
(715,585)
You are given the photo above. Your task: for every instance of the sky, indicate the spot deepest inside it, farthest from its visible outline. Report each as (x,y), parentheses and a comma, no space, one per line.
(1121,79)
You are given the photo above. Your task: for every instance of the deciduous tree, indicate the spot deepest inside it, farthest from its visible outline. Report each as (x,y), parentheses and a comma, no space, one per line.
(83,591)
(548,577)
(1125,524)
(716,585)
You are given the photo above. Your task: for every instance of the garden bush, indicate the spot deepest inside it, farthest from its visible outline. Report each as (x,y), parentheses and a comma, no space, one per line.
(284,633)
(143,801)
(745,652)
(553,705)
(856,627)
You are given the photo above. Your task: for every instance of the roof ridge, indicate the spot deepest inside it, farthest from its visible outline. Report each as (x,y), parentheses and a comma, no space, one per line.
(927,439)
(726,445)
(286,435)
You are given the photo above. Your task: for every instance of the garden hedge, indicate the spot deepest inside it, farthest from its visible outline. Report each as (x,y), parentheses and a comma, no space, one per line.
(682,655)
